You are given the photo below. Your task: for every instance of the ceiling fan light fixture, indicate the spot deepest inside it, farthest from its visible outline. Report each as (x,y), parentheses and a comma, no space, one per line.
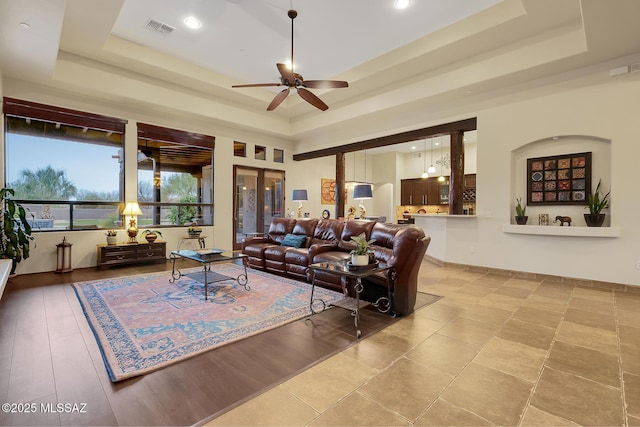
(401,4)
(192,22)
(293,80)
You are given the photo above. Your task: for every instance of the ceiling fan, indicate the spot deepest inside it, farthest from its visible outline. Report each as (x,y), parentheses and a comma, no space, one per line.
(294,80)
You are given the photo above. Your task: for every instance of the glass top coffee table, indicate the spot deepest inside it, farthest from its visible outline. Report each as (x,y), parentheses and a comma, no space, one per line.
(206,257)
(344,268)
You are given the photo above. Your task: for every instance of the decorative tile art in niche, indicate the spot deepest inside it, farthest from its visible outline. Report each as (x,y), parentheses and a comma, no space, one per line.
(559,180)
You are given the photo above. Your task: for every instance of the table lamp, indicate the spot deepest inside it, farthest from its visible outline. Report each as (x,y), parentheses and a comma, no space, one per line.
(299,196)
(362,192)
(132,209)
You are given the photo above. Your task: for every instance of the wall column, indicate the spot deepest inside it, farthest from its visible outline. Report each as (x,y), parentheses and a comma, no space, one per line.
(456,181)
(340,185)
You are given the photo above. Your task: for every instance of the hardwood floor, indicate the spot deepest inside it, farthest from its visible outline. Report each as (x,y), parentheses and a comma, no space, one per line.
(48,355)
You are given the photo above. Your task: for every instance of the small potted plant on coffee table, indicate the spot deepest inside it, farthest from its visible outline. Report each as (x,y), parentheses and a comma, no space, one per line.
(360,254)
(596,202)
(151,235)
(521,218)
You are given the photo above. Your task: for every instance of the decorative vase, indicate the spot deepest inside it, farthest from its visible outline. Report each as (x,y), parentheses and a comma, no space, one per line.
(522,220)
(359,259)
(151,237)
(594,220)
(112,240)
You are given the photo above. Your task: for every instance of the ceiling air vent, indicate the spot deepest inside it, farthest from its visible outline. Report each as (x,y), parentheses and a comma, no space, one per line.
(160,27)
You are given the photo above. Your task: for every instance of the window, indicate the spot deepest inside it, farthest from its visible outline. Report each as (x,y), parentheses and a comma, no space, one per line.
(175,177)
(261,152)
(278,155)
(239,149)
(66,166)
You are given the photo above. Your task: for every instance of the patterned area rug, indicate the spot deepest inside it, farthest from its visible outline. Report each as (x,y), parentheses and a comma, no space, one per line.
(143,323)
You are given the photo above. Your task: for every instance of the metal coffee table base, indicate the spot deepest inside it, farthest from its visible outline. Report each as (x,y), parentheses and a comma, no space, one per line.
(210,276)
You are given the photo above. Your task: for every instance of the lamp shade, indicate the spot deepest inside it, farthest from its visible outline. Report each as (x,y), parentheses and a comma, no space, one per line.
(299,196)
(362,191)
(132,208)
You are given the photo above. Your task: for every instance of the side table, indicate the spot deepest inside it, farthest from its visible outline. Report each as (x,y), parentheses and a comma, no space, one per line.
(345,269)
(187,238)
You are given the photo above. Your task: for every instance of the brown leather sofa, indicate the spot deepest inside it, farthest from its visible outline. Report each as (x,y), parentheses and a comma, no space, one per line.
(326,240)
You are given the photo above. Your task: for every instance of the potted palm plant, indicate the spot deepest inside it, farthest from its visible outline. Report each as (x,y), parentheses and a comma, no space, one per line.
(596,202)
(15,230)
(151,235)
(360,254)
(521,218)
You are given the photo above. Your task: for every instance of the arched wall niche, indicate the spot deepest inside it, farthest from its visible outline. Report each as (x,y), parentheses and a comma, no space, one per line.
(554,146)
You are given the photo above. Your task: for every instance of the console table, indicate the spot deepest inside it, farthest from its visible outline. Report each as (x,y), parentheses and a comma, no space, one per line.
(131,253)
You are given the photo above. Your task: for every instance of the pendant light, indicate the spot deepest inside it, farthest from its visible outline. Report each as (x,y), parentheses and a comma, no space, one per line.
(441,177)
(424,153)
(431,168)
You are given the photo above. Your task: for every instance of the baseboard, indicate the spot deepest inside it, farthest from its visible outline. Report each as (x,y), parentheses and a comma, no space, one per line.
(535,276)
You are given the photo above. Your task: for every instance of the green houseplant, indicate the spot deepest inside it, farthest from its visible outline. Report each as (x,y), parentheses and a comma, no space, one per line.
(360,254)
(15,230)
(596,202)
(112,237)
(194,231)
(151,235)
(521,218)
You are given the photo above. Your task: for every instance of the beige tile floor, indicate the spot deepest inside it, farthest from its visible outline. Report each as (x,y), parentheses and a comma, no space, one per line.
(494,351)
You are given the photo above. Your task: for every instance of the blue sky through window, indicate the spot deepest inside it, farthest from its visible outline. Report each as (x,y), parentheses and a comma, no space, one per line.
(88,166)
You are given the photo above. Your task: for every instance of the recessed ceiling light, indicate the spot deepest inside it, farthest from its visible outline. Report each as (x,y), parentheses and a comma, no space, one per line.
(413,148)
(401,4)
(25,25)
(192,22)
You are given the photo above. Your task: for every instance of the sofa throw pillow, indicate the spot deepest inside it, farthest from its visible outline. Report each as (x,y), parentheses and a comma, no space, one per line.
(294,240)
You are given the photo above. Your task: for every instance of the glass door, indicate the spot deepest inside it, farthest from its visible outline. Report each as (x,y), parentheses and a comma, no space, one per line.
(258,198)
(273,197)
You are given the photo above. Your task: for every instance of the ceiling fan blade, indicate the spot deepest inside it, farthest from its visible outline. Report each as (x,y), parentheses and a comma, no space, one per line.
(312,99)
(259,85)
(325,84)
(278,99)
(285,72)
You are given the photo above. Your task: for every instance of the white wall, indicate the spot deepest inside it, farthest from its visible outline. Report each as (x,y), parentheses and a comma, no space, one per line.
(607,111)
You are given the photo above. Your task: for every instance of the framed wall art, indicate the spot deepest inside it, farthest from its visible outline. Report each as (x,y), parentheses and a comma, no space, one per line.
(559,180)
